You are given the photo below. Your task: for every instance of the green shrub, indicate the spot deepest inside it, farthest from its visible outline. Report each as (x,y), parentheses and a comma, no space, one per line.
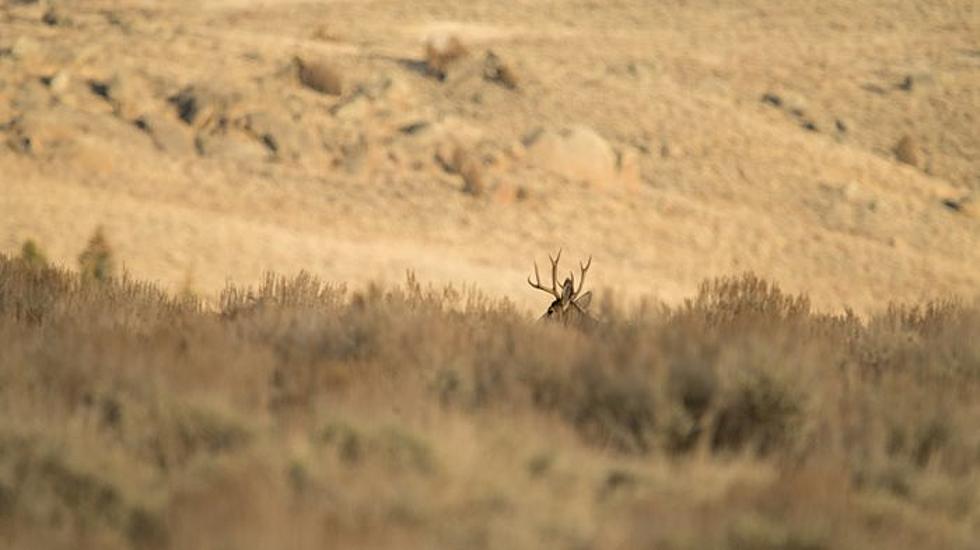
(32,255)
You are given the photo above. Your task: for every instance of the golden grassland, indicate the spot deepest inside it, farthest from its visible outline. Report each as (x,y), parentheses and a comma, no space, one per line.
(301,415)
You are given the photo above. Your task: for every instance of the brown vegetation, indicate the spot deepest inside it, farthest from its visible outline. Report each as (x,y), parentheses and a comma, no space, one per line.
(300,415)
(96,262)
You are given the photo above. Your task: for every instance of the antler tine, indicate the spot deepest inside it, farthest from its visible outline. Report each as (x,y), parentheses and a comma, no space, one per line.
(553,291)
(581,283)
(554,273)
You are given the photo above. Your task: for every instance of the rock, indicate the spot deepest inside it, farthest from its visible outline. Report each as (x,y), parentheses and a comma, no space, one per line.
(793,103)
(283,138)
(397,92)
(41,131)
(449,156)
(496,71)
(59,132)
(907,83)
(577,153)
(360,156)
(907,151)
(380,100)
(99,88)
(413,127)
(325,33)
(231,146)
(59,82)
(915,81)
(320,77)
(168,135)
(391,92)
(772,99)
(472,172)
(117,20)
(966,205)
(628,165)
(55,18)
(505,192)
(447,141)
(128,95)
(355,107)
(25,49)
(199,107)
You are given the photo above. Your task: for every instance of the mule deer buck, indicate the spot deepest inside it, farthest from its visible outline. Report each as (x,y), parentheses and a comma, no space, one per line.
(570,304)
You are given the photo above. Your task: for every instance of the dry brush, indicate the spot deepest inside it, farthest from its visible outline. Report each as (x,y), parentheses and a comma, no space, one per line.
(300,414)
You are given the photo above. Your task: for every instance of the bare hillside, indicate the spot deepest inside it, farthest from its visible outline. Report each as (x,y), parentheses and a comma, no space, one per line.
(831,147)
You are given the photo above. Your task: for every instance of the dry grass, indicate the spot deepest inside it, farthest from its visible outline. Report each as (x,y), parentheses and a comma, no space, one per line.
(96,261)
(301,415)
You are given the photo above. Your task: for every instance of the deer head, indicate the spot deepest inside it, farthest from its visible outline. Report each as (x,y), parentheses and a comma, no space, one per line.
(570,304)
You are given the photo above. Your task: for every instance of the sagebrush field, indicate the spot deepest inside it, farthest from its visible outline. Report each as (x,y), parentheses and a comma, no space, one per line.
(301,415)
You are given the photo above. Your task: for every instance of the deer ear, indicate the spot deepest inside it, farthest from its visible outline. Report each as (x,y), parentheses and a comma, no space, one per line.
(584,300)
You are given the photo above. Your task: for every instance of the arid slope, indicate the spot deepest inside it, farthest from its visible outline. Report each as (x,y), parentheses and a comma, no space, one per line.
(726,136)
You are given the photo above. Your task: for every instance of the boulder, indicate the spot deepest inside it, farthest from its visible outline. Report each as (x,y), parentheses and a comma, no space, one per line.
(200,106)
(355,107)
(128,95)
(499,72)
(168,135)
(907,151)
(234,146)
(285,139)
(59,82)
(94,143)
(577,153)
(320,76)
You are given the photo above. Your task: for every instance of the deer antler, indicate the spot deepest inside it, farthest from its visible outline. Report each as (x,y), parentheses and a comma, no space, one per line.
(554,277)
(581,282)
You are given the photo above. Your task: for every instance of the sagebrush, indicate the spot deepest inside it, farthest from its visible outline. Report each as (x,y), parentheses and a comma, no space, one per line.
(299,414)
